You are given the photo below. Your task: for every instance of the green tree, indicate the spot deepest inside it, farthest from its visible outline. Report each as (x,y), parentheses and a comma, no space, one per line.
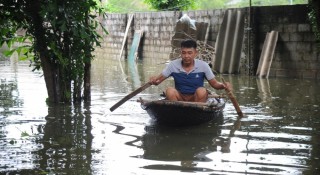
(209,4)
(314,17)
(172,4)
(125,6)
(63,36)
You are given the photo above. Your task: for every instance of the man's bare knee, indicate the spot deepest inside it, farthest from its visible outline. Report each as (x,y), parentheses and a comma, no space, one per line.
(172,94)
(201,94)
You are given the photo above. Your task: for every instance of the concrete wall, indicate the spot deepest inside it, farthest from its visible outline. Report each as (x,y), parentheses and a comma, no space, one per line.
(296,52)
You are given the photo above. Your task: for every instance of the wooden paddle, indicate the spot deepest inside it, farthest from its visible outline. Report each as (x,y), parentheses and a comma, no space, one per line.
(132,94)
(233,100)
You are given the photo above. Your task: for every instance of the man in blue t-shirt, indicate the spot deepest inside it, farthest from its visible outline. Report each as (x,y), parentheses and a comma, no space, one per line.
(188,74)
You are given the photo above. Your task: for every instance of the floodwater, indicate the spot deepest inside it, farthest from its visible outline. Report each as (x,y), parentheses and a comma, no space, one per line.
(279,135)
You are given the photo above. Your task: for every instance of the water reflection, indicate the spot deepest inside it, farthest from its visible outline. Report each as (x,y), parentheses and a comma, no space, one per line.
(264,91)
(67,140)
(35,139)
(9,93)
(8,98)
(134,72)
(168,144)
(225,142)
(174,144)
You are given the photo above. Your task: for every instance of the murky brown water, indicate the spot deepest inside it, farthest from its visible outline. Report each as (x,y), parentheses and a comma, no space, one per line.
(280,135)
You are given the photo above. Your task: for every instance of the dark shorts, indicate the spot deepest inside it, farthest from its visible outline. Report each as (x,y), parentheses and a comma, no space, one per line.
(189,97)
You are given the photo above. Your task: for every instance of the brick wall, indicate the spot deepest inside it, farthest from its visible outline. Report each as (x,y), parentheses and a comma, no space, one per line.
(296,52)
(158,30)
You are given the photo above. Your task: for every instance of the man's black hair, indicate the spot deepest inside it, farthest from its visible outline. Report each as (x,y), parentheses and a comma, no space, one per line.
(189,43)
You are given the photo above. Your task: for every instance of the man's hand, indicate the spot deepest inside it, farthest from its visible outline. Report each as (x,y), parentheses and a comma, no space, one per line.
(227,86)
(219,85)
(155,80)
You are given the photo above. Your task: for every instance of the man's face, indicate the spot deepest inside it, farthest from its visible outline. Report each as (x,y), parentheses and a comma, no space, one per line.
(188,55)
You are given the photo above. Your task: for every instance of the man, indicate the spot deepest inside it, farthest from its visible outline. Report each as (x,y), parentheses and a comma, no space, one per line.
(189,74)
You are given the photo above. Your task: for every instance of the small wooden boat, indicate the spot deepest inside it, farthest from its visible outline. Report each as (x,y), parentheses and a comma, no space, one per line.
(183,113)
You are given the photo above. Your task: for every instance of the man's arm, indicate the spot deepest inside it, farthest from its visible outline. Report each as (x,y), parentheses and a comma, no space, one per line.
(217,85)
(155,80)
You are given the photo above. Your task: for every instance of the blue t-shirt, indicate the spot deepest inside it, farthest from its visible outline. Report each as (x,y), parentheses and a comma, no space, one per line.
(187,83)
